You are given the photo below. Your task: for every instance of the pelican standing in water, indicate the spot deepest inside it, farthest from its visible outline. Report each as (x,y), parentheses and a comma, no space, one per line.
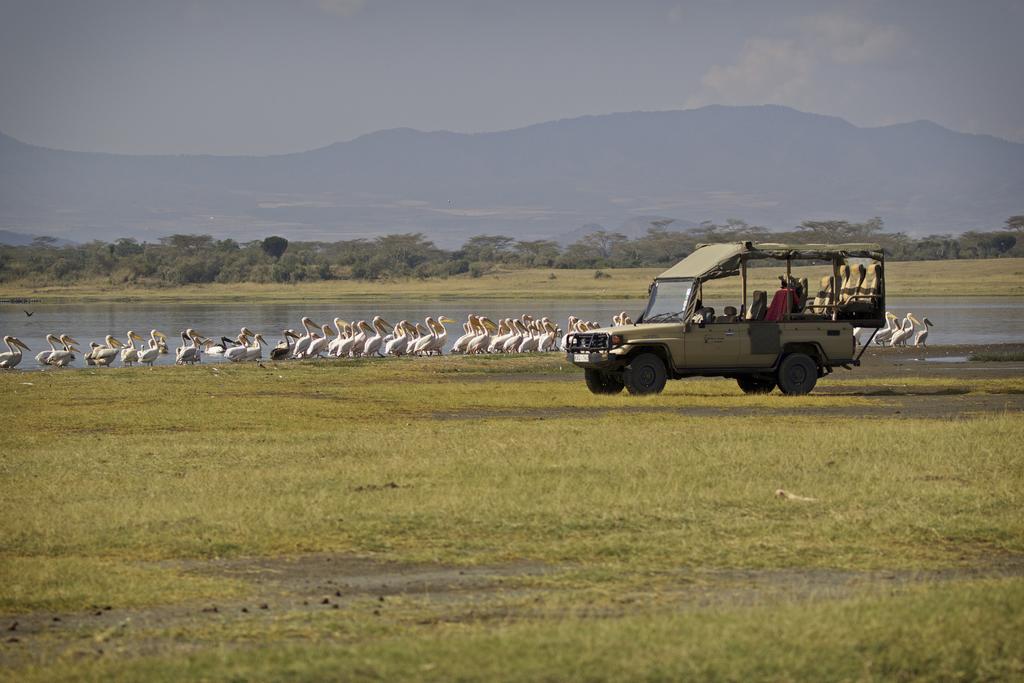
(13,357)
(885,334)
(130,354)
(43,357)
(236,352)
(303,342)
(103,356)
(189,352)
(902,334)
(255,350)
(284,347)
(61,358)
(148,356)
(921,338)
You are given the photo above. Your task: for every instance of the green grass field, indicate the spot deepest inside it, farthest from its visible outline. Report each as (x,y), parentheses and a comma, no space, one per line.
(990,277)
(663,550)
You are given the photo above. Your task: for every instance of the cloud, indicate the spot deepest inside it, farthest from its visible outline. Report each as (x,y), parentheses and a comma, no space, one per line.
(847,40)
(675,14)
(785,70)
(342,8)
(766,71)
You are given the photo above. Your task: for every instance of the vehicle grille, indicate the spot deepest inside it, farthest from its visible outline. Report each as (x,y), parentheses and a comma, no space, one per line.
(588,341)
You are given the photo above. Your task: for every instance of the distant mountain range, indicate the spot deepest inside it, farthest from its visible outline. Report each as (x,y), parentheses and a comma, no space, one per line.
(769,165)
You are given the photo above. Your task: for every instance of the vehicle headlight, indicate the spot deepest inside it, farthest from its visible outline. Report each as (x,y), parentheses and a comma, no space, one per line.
(617,340)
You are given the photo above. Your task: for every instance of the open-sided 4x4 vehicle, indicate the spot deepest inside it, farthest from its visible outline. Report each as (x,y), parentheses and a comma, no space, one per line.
(788,340)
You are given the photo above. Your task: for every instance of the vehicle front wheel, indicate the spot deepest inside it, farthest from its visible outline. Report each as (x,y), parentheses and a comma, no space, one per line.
(645,374)
(755,385)
(601,382)
(797,374)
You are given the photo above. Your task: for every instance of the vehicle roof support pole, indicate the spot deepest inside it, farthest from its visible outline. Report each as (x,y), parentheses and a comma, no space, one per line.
(836,284)
(743,279)
(789,280)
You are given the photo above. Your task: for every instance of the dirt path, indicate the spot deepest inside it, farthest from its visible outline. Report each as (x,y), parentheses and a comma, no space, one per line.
(322,583)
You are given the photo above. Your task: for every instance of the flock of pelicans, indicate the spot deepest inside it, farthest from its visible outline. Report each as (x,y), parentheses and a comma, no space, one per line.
(895,333)
(363,339)
(345,339)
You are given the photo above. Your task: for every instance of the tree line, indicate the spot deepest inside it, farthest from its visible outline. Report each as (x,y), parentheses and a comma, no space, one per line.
(189,259)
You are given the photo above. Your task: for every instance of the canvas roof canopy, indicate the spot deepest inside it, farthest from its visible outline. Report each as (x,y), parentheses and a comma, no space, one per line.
(711,261)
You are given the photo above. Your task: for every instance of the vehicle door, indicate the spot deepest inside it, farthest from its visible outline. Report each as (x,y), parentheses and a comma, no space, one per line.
(759,343)
(713,345)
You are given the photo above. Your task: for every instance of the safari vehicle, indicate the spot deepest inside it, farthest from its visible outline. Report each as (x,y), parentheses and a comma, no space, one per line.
(788,341)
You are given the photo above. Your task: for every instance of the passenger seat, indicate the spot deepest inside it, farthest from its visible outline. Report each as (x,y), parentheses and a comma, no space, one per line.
(824,297)
(801,295)
(758,306)
(851,282)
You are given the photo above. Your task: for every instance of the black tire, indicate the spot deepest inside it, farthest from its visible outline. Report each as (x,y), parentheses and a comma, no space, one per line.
(645,374)
(601,382)
(797,374)
(755,385)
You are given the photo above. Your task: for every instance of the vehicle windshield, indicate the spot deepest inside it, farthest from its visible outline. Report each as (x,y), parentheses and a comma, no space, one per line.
(668,301)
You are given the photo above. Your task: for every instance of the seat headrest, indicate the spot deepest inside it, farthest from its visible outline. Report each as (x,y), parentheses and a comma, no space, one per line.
(729,310)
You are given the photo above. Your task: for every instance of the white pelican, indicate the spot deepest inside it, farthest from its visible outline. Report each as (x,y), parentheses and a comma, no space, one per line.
(213,349)
(885,334)
(373,343)
(103,356)
(513,340)
(622,319)
(319,344)
(89,354)
(570,327)
(346,345)
(61,358)
(547,342)
(149,355)
(399,341)
(303,342)
(237,352)
(531,340)
(13,357)
(921,338)
(469,331)
(900,336)
(341,327)
(43,357)
(482,340)
(190,351)
(440,336)
(255,350)
(130,354)
(501,335)
(284,347)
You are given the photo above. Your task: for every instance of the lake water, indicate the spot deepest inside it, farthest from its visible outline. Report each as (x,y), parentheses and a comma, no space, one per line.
(972,320)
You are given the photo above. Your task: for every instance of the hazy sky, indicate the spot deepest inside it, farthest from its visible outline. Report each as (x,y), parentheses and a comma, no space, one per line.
(268,76)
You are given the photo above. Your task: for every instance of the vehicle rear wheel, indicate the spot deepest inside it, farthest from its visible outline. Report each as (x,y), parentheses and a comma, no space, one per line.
(645,374)
(601,382)
(755,385)
(797,374)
